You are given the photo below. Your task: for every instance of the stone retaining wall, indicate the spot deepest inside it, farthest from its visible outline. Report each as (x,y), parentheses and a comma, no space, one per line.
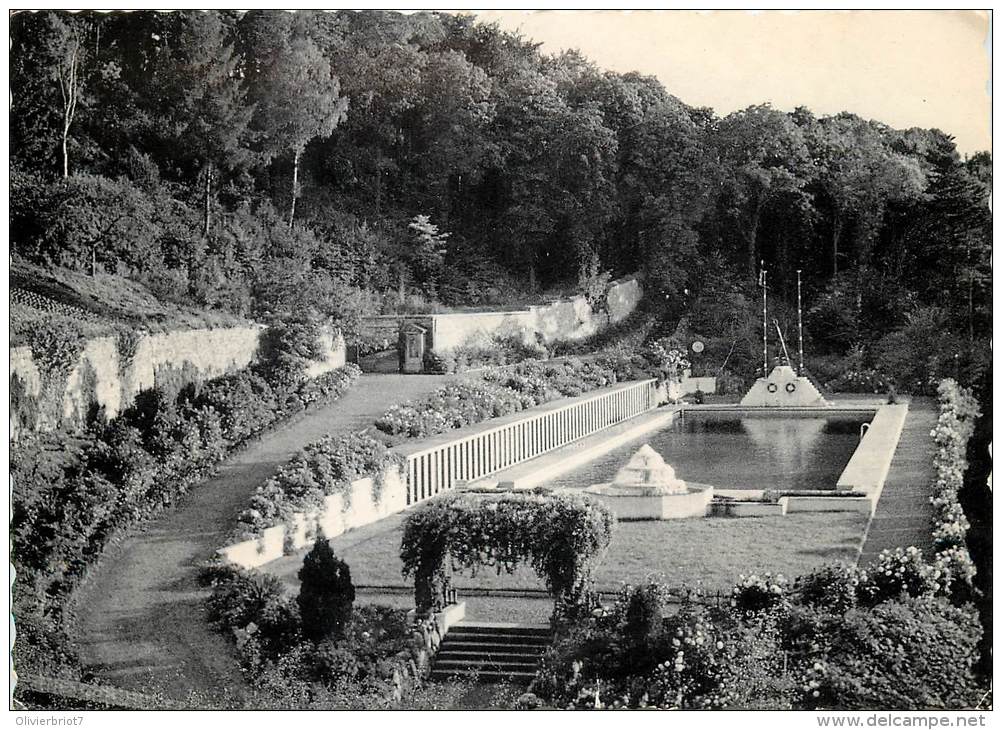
(565,319)
(338,516)
(115,378)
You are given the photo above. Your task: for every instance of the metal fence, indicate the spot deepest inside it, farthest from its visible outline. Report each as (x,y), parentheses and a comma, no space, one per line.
(438,468)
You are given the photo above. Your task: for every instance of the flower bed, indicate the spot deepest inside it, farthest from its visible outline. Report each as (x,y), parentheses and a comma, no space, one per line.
(481,351)
(323,468)
(957,417)
(501,392)
(841,638)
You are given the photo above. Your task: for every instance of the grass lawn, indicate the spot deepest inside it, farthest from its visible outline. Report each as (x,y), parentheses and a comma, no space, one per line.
(711,552)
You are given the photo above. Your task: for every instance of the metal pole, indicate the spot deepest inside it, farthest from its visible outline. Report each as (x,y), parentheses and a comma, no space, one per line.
(765,324)
(800,324)
(782,342)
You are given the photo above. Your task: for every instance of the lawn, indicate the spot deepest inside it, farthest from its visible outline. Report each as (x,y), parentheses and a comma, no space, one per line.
(711,552)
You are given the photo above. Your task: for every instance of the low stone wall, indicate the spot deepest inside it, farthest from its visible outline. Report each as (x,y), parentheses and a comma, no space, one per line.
(338,516)
(628,507)
(749,509)
(111,379)
(705,384)
(863,505)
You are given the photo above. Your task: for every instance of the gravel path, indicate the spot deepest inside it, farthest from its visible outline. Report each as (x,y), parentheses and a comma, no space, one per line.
(141,620)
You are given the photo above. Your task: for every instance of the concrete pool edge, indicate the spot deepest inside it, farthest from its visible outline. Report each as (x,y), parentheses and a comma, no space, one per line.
(866,471)
(870,463)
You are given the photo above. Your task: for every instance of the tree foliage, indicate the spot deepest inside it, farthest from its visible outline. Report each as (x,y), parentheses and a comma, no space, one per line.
(326,593)
(217,130)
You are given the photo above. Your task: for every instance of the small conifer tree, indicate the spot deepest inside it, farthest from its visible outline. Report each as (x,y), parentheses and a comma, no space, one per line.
(326,593)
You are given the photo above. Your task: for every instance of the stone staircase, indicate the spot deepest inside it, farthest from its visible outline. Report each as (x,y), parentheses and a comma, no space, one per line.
(492,652)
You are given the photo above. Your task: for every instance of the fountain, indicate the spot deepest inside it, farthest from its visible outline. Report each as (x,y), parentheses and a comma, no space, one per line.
(646,488)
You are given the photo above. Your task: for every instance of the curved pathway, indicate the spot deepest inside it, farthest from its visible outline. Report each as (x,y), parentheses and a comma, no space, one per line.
(141,618)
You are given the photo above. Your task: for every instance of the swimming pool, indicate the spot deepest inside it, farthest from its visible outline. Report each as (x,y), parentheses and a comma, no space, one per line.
(738,451)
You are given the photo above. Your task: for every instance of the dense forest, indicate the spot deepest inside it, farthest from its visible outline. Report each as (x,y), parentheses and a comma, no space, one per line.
(357,162)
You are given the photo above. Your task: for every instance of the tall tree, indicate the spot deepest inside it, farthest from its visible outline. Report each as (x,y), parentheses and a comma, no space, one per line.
(210,113)
(65,46)
(298,100)
(858,175)
(765,156)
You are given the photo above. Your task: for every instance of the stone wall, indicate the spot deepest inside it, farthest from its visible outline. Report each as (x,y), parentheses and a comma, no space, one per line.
(565,319)
(338,516)
(449,331)
(115,378)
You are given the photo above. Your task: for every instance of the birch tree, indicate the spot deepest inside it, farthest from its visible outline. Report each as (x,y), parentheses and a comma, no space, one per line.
(299,99)
(67,51)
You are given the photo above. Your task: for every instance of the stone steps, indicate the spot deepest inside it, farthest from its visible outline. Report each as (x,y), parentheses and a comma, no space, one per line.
(491,652)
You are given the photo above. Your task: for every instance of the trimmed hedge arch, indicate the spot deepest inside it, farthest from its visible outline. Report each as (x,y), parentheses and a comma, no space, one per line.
(560,535)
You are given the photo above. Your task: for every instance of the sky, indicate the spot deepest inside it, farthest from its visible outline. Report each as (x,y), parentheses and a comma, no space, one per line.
(904,68)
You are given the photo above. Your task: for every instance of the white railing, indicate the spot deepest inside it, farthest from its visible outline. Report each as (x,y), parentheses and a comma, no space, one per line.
(438,468)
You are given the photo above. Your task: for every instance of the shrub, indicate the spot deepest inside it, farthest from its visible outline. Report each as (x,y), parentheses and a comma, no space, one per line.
(644,615)
(326,593)
(861,380)
(328,386)
(830,588)
(245,403)
(730,384)
(896,572)
(915,653)
(756,594)
(255,609)
(287,347)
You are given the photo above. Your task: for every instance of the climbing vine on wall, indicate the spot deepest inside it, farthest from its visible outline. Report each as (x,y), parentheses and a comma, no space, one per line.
(56,351)
(127,343)
(560,535)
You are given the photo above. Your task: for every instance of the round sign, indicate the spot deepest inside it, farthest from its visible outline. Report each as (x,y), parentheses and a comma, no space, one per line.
(697,346)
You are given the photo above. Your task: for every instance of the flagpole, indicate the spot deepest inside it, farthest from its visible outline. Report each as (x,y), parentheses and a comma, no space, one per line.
(765,322)
(800,324)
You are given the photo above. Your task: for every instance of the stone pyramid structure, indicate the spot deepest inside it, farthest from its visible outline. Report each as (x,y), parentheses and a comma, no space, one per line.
(784,388)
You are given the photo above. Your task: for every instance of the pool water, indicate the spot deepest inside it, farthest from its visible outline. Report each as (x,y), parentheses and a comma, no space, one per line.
(729,451)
